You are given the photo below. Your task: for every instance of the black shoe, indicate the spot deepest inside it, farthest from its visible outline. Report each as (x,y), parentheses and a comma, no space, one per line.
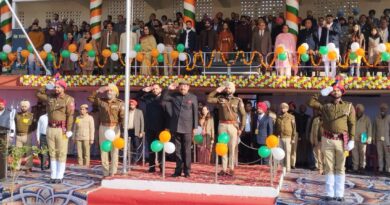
(51,181)
(176,175)
(293,167)
(315,169)
(328,198)
(222,173)
(152,169)
(187,175)
(340,199)
(58,181)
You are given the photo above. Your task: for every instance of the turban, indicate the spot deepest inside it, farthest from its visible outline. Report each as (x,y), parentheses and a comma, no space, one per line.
(384,106)
(360,107)
(132,101)
(84,106)
(61,83)
(25,103)
(284,105)
(184,82)
(231,86)
(338,86)
(291,103)
(2,101)
(262,106)
(114,88)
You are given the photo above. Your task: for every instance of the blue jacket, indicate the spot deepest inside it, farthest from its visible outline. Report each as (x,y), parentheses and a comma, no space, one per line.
(264,127)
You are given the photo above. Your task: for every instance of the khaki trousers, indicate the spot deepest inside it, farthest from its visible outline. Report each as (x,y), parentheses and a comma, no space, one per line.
(107,170)
(359,156)
(318,156)
(83,152)
(25,141)
(286,146)
(57,143)
(383,155)
(334,159)
(231,130)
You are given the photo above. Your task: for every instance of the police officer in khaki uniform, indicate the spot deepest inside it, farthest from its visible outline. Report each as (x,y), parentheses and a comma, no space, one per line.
(230,110)
(315,141)
(84,132)
(24,120)
(111,115)
(363,128)
(60,110)
(338,138)
(285,128)
(381,133)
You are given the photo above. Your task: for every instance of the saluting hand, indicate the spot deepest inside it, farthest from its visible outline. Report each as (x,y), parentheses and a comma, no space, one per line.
(147,89)
(220,89)
(173,86)
(102,89)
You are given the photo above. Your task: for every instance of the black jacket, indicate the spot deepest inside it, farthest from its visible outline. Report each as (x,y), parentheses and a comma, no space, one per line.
(156,117)
(191,40)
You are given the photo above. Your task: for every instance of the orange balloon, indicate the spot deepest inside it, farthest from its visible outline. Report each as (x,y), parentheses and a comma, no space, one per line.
(174,54)
(154,53)
(11,56)
(388,47)
(272,141)
(25,53)
(43,55)
(165,136)
(221,149)
(106,53)
(332,55)
(140,57)
(72,48)
(302,50)
(88,47)
(360,52)
(279,50)
(119,143)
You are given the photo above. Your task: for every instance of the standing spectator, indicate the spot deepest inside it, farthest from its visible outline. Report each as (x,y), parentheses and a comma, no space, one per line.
(243,35)
(309,16)
(7,129)
(88,65)
(358,37)
(288,41)
(225,41)
(38,38)
(247,135)
(55,22)
(152,17)
(263,128)
(285,129)
(316,131)
(109,37)
(42,141)
(120,27)
(277,29)
(344,37)
(170,37)
(95,150)
(333,30)
(261,40)
(381,130)
(233,23)
(364,26)
(363,127)
(84,130)
(188,38)
(68,66)
(183,123)
(123,41)
(55,41)
(321,32)
(384,30)
(136,131)
(373,19)
(373,41)
(77,35)
(164,20)
(148,42)
(308,36)
(303,140)
(206,122)
(208,40)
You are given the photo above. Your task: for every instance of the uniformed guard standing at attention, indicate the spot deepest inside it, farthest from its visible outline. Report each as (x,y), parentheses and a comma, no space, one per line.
(23,121)
(338,122)
(231,109)
(285,129)
(60,110)
(363,137)
(111,115)
(381,133)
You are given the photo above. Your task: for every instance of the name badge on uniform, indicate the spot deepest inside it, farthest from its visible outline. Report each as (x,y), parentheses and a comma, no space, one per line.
(382,138)
(256,131)
(77,121)
(25,120)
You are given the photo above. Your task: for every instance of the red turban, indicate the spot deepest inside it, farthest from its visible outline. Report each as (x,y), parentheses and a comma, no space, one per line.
(3,101)
(339,86)
(262,106)
(133,101)
(61,83)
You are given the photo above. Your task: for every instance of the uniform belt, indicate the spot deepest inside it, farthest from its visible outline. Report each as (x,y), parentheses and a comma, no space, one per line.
(333,136)
(228,121)
(108,124)
(19,134)
(57,124)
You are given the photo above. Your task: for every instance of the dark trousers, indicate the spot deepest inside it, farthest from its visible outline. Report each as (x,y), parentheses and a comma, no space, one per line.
(136,147)
(305,71)
(151,136)
(44,157)
(3,155)
(183,152)
(245,154)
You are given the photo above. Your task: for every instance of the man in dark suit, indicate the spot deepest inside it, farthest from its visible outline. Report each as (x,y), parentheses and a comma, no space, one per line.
(321,32)
(208,40)
(188,38)
(333,36)
(264,127)
(155,115)
(245,154)
(108,38)
(136,130)
(308,36)
(184,120)
(261,40)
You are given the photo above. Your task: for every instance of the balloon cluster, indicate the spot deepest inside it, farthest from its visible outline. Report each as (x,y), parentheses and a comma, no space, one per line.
(272,143)
(222,146)
(111,141)
(157,53)
(302,51)
(7,54)
(329,51)
(281,53)
(384,49)
(163,142)
(356,51)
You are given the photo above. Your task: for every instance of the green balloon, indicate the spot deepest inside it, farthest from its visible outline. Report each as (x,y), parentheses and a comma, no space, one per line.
(264,151)
(282,56)
(180,47)
(160,58)
(198,139)
(91,53)
(50,57)
(305,57)
(223,138)
(106,146)
(156,146)
(114,48)
(324,50)
(353,56)
(385,56)
(30,48)
(138,47)
(65,54)
(3,56)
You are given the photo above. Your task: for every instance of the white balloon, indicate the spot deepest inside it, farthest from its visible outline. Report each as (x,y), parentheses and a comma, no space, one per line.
(47,47)
(278,153)
(382,47)
(355,46)
(7,48)
(91,59)
(132,54)
(74,57)
(169,147)
(331,46)
(161,48)
(182,56)
(31,57)
(110,134)
(114,57)
(306,46)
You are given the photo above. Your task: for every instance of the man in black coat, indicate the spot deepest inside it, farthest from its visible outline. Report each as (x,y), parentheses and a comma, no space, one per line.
(155,116)
(184,121)
(188,38)
(308,36)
